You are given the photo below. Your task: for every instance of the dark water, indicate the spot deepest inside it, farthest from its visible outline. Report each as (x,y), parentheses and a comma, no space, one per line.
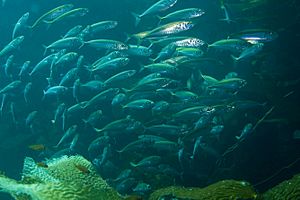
(272,79)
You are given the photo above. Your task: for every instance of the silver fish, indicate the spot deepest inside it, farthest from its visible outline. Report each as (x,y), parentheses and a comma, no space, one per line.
(158,7)
(13,45)
(20,25)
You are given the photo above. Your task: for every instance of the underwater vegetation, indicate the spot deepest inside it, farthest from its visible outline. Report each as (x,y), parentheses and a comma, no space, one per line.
(64,178)
(75,178)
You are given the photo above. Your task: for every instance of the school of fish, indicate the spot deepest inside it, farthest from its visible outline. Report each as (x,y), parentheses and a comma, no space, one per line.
(142,109)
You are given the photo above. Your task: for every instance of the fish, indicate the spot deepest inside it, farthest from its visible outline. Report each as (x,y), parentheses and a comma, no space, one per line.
(126,125)
(97,145)
(183,14)
(83,169)
(69,78)
(143,142)
(102,26)
(166,30)
(68,134)
(8,67)
(126,173)
(101,160)
(68,57)
(161,68)
(256,35)
(119,100)
(111,65)
(42,164)
(12,87)
(24,69)
(152,84)
(138,50)
(227,17)
(229,84)
(52,14)
(13,45)
(106,95)
(30,119)
(202,122)
(45,64)
(193,113)
(73,32)
(77,12)
(59,112)
(197,147)
(92,87)
(216,130)
(94,118)
(158,7)
(164,41)
(142,188)
(248,52)
(245,132)
(167,131)
(55,90)
(112,55)
(37,147)
(125,186)
(85,33)
(189,52)
(160,108)
(166,52)
(165,147)
(146,162)
(232,45)
(112,45)
(20,25)
(65,43)
(138,105)
(3,103)
(28,92)
(74,142)
(191,42)
(117,78)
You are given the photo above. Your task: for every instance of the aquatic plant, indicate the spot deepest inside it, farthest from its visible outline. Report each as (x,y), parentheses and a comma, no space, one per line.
(68,178)
(223,190)
(289,189)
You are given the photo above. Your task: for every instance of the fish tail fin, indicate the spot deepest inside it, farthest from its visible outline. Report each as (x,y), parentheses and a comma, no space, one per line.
(235,60)
(125,90)
(82,43)
(159,20)
(133,164)
(98,130)
(228,21)
(137,18)
(45,51)
(44,95)
(120,151)
(153,60)
(151,44)
(128,37)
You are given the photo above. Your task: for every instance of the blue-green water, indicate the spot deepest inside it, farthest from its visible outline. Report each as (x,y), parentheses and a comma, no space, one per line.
(197,149)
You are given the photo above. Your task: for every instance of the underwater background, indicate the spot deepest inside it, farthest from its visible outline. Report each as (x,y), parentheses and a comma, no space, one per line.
(191,152)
